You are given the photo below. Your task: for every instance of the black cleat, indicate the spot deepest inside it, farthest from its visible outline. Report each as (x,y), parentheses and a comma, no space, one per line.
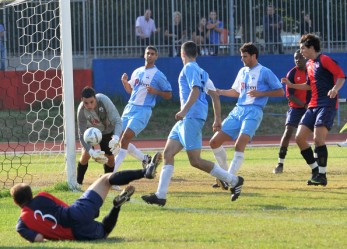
(223,185)
(124,196)
(236,191)
(153,199)
(315,172)
(278,169)
(319,179)
(151,168)
(146,161)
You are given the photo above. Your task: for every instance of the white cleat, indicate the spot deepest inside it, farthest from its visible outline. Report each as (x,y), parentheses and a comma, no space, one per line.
(343,144)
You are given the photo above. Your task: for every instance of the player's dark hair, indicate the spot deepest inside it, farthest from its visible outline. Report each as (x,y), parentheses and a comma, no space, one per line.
(150,47)
(309,40)
(88,92)
(190,49)
(250,48)
(21,194)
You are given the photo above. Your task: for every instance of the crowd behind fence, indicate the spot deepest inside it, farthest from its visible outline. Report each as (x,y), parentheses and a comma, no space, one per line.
(107,28)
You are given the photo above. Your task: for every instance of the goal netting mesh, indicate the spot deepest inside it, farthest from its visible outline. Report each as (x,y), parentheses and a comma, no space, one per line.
(31,100)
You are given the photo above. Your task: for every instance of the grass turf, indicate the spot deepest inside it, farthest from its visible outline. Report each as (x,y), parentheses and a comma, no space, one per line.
(273,211)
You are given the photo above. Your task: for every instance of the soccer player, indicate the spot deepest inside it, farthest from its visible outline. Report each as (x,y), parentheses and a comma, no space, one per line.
(297,102)
(253,86)
(187,132)
(324,78)
(47,217)
(145,84)
(97,110)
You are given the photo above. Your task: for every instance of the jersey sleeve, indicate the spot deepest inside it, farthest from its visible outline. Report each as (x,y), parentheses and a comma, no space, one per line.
(112,115)
(332,67)
(25,232)
(164,84)
(272,80)
(291,78)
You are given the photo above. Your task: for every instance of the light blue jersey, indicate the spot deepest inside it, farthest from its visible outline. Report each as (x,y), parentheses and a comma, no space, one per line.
(190,76)
(140,79)
(258,78)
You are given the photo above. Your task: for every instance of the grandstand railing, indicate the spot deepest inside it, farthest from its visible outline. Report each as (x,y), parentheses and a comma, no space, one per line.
(106,28)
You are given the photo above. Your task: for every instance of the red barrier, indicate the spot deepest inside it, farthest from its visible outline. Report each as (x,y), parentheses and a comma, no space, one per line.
(19,89)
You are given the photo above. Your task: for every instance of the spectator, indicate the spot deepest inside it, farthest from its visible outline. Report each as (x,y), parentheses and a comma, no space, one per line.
(2,47)
(175,35)
(305,23)
(216,28)
(201,36)
(145,27)
(272,25)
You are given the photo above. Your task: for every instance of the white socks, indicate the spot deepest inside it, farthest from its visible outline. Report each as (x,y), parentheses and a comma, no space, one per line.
(236,162)
(221,156)
(135,152)
(119,159)
(223,175)
(164,181)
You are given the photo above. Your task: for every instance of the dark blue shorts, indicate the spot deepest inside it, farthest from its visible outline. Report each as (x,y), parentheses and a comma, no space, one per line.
(319,116)
(294,116)
(82,214)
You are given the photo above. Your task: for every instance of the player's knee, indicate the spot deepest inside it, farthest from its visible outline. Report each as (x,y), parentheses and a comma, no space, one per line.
(214,144)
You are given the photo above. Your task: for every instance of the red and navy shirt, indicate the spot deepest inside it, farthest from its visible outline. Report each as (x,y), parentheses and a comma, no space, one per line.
(47,215)
(297,76)
(322,74)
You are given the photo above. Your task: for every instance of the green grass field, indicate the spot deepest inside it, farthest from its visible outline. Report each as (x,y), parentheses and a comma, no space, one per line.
(274,211)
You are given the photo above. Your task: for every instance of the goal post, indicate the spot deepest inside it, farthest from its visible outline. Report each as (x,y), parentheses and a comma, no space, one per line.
(40,123)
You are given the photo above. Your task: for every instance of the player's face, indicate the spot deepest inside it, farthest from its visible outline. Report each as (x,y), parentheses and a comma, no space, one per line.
(150,56)
(89,103)
(247,59)
(299,60)
(307,52)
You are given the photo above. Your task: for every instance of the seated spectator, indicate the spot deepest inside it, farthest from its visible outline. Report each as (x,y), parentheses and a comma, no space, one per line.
(201,36)
(175,35)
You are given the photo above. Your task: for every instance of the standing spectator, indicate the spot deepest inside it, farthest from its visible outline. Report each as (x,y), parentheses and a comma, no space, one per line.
(2,47)
(97,110)
(145,27)
(253,85)
(272,25)
(145,84)
(187,132)
(201,36)
(45,217)
(175,34)
(216,28)
(305,23)
(324,78)
(297,101)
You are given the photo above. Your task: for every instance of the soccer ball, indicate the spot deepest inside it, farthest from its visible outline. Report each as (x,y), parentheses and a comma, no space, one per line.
(92,136)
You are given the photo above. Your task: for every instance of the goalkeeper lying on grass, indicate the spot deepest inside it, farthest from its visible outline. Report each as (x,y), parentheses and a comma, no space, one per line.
(97,110)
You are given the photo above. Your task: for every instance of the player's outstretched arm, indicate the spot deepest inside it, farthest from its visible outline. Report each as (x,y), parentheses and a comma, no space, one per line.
(217,124)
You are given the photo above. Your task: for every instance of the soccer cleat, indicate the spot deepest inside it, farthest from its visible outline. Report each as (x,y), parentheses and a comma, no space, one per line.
(151,168)
(236,191)
(278,169)
(223,185)
(343,144)
(146,161)
(153,199)
(124,196)
(319,179)
(315,172)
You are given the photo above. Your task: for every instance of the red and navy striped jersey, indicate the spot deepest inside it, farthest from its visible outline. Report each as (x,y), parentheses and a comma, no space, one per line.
(297,76)
(47,215)
(321,76)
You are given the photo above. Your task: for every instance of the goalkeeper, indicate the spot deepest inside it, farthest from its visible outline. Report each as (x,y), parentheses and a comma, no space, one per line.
(97,110)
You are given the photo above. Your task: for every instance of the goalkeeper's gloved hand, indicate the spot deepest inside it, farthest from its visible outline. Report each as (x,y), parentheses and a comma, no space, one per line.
(114,145)
(98,156)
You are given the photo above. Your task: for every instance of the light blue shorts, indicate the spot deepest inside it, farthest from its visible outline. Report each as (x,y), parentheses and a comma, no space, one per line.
(242,119)
(188,132)
(136,117)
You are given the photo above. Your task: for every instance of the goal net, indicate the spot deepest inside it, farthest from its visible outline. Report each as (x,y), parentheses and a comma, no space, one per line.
(37,141)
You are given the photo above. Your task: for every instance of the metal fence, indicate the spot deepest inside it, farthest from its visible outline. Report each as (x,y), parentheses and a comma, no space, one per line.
(106,28)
